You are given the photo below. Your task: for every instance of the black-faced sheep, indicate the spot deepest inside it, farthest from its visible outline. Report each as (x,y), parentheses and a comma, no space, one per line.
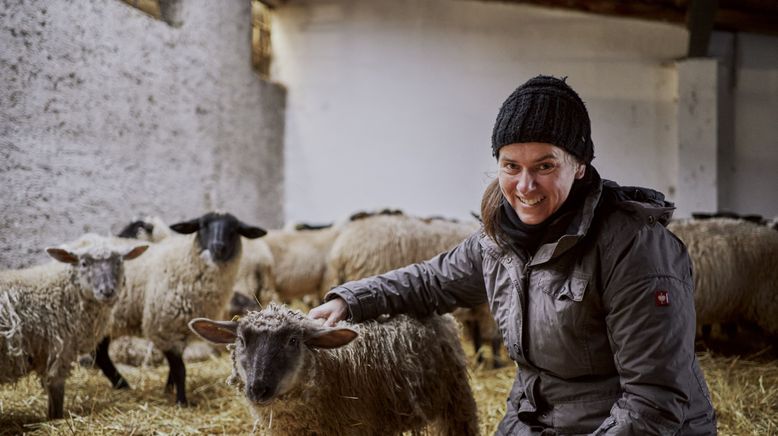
(49,314)
(376,378)
(181,277)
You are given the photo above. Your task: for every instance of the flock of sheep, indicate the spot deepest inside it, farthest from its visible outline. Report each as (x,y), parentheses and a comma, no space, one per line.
(178,278)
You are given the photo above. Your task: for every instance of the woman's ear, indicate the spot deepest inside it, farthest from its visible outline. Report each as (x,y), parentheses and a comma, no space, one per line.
(580,171)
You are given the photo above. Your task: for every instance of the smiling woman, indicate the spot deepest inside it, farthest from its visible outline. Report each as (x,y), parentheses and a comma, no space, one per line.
(593,296)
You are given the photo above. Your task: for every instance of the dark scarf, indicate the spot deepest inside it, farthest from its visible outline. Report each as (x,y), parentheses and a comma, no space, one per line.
(529,237)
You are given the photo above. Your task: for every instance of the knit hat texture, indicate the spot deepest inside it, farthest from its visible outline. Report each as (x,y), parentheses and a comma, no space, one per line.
(545,109)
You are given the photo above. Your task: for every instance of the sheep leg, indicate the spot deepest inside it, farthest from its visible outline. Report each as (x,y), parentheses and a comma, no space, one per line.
(706,331)
(475,334)
(105,364)
(496,351)
(729,329)
(56,391)
(176,376)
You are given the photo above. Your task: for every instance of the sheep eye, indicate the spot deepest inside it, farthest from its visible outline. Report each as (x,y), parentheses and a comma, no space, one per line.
(293,341)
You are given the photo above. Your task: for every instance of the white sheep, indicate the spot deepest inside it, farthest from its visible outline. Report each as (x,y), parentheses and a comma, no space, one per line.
(735,270)
(254,278)
(299,261)
(51,313)
(376,244)
(400,374)
(181,277)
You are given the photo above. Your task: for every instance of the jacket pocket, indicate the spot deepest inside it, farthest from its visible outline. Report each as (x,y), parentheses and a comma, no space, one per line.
(564,288)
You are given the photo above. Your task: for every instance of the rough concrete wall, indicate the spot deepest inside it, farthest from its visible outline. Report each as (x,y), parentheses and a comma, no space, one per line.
(107,113)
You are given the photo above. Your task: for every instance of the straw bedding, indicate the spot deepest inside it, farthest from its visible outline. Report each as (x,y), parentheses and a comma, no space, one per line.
(744,390)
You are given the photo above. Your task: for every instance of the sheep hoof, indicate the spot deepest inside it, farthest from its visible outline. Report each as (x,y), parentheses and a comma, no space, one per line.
(121,384)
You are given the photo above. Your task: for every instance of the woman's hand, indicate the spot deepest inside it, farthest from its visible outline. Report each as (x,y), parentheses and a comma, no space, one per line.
(331,312)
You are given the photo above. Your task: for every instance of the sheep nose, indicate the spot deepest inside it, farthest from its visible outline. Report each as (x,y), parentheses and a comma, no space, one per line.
(218,249)
(107,292)
(260,392)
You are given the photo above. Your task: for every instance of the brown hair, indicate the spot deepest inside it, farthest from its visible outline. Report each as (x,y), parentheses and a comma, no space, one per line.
(490,210)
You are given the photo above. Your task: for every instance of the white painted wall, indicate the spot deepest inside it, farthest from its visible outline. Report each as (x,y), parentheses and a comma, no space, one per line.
(392,102)
(755,165)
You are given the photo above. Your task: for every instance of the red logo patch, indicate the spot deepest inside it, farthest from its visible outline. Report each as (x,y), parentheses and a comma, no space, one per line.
(662,298)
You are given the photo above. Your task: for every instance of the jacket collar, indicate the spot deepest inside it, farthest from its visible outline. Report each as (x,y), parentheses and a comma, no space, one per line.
(584,219)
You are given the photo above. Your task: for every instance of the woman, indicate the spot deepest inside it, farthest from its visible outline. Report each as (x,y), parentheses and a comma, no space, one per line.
(593,296)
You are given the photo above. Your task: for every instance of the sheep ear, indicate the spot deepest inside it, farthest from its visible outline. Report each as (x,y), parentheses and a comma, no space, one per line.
(330,338)
(250,232)
(186,227)
(62,255)
(218,332)
(135,252)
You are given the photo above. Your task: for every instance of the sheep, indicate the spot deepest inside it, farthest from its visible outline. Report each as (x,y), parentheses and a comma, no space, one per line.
(299,261)
(381,377)
(735,270)
(284,265)
(380,243)
(254,276)
(256,272)
(181,277)
(135,351)
(150,228)
(51,313)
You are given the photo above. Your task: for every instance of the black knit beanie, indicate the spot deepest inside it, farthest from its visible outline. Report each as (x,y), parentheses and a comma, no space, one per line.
(545,109)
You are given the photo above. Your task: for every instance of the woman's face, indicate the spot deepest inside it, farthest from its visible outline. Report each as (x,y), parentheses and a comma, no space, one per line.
(536,177)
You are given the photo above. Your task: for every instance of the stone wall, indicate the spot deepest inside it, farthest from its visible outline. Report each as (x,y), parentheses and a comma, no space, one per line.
(107,113)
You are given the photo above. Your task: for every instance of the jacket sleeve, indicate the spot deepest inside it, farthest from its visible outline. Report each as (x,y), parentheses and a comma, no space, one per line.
(448,280)
(650,318)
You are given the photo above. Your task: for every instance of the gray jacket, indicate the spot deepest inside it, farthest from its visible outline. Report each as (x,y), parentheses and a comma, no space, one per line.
(600,322)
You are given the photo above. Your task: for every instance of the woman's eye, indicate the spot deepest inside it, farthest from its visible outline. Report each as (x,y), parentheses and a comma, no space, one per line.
(545,167)
(511,168)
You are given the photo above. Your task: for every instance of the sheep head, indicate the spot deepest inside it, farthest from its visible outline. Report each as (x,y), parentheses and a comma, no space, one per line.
(271,347)
(98,264)
(218,234)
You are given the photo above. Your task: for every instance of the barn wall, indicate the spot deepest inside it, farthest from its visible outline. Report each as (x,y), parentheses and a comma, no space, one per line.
(108,113)
(391,103)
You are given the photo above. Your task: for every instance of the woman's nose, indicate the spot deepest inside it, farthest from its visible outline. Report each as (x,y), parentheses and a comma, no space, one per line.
(525,182)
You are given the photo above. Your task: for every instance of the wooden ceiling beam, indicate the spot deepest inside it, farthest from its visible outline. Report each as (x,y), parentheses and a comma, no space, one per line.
(700,18)
(730,15)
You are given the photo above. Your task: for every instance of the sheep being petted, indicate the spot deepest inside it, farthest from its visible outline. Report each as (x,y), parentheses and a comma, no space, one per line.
(735,270)
(180,278)
(380,377)
(49,314)
(379,243)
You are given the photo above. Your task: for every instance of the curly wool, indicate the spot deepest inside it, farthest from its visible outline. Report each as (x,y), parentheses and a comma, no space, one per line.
(167,287)
(735,270)
(46,321)
(398,375)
